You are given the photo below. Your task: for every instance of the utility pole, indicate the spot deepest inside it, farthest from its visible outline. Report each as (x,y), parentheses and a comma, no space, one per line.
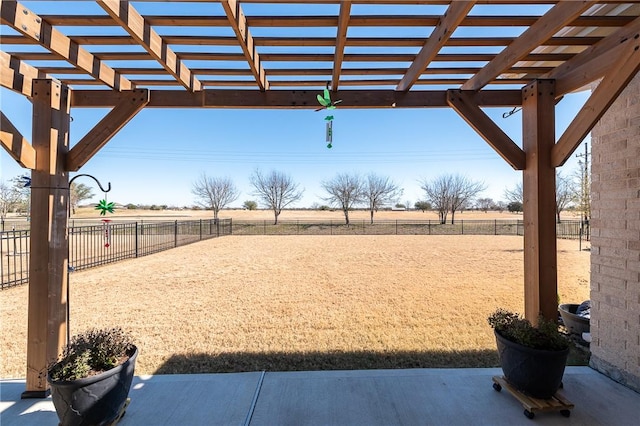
(585,199)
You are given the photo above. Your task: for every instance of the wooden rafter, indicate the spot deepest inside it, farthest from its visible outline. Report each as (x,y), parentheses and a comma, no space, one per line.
(595,61)
(621,73)
(18,17)
(16,145)
(447,24)
(133,23)
(17,75)
(200,40)
(462,102)
(238,22)
(341,40)
(332,21)
(546,27)
(129,105)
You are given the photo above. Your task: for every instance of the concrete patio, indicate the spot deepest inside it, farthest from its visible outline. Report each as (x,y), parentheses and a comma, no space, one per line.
(366,397)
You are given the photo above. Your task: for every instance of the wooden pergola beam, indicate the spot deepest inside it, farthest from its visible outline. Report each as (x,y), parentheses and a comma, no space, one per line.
(122,12)
(595,61)
(462,103)
(293,99)
(340,43)
(15,144)
(238,22)
(447,24)
(17,75)
(21,19)
(130,104)
(539,207)
(621,73)
(544,28)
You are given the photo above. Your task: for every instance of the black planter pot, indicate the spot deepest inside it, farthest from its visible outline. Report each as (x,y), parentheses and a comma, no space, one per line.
(574,323)
(535,372)
(95,400)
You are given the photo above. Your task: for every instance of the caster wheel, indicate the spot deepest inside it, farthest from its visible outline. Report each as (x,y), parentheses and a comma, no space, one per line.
(497,387)
(565,413)
(528,414)
(561,385)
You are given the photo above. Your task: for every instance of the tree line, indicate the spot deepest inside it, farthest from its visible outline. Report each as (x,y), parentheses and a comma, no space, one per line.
(446,194)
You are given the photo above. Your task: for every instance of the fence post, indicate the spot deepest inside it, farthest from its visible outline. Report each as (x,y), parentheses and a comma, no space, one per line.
(462,227)
(495,226)
(200,229)
(230,226)
(136,239)
(175,234)
(396,226)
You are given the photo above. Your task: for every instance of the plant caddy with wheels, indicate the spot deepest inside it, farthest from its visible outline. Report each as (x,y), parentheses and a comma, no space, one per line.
(533,361)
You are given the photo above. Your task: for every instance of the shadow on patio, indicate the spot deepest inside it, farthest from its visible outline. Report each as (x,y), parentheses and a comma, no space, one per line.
(234,362)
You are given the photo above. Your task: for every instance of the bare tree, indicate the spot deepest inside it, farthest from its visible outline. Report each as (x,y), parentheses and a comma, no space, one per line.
(515,194)
(486,204)
(276,189)
(379,190)
(451,192)
(345,191)
(438,194)
(8,198)
(564,194)
(214,193)
(77,193)
(463,191)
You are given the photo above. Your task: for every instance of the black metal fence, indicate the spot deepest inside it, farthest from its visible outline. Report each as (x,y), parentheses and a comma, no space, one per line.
(95,245)
(565,229)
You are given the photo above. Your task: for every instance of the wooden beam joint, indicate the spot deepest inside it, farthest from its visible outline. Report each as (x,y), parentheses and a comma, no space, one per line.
(463,103)
(130,104)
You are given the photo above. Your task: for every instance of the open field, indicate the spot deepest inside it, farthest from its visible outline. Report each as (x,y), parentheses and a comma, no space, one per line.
(337,215)
(303,302)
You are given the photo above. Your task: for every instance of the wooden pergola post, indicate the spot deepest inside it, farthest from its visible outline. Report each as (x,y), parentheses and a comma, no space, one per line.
(47,323)
(539,193)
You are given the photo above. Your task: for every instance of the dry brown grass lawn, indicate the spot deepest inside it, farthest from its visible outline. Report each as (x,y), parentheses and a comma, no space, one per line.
(303,302)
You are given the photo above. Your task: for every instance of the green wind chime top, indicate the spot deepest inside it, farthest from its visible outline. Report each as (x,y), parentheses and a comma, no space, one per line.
(327,103)
(105,207)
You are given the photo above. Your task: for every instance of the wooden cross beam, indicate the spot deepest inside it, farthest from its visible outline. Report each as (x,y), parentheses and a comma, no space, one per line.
(15,144)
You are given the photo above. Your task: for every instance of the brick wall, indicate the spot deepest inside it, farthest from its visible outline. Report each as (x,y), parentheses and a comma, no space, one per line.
(615,245)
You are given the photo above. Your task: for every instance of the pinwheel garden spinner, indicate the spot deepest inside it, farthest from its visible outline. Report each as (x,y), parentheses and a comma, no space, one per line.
(327,103)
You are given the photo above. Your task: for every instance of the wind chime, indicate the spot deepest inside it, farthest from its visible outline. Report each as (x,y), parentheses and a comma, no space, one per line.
(105,207)
(327,103)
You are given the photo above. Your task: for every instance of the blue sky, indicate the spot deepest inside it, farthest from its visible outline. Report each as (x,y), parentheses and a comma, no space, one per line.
(156,158)
(158,155)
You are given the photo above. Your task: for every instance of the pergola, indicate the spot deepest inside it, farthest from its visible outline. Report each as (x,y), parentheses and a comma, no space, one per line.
(241,54)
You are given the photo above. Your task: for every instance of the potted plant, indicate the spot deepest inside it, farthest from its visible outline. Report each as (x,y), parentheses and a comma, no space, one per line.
(532,358)
(90,381)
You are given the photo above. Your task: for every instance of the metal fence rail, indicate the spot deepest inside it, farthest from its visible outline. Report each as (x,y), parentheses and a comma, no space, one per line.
(565,229)
(96,245)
